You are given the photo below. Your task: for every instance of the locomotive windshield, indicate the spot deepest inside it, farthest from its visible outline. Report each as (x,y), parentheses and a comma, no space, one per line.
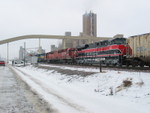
(102,43)
(118,41)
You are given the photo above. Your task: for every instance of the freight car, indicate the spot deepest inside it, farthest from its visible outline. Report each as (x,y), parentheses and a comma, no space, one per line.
(140,45)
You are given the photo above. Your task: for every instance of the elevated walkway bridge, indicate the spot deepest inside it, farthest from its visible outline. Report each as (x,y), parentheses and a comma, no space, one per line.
(89,38)
(64,38)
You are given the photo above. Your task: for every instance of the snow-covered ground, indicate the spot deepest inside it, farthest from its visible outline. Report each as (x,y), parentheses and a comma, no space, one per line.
(106,92)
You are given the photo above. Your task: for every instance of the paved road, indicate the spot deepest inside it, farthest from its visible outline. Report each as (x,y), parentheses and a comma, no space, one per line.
(12,95)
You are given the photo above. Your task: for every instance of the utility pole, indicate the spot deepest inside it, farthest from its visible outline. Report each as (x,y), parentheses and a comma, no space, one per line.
(39,42)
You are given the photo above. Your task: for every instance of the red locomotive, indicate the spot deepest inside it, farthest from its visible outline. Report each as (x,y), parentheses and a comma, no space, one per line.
(62,56)
(109,52)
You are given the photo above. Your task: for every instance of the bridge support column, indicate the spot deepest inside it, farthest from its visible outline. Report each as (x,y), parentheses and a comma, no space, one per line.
(64,43)
(7,52)
(39,42)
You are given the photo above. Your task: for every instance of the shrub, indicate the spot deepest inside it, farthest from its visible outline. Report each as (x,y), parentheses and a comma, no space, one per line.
(127,82)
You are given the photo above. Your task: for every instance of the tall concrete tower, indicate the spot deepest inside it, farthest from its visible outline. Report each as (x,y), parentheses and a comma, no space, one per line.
(90,24)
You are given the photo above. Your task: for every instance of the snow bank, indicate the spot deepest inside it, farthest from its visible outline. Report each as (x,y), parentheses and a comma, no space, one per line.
(98,93)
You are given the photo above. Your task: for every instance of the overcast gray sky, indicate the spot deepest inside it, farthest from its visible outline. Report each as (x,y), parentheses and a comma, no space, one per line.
(55,17)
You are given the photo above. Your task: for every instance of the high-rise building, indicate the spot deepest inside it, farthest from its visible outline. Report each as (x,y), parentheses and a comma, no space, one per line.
(90,24)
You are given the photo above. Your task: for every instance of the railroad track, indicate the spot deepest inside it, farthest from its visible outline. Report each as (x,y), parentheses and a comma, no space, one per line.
(118,68)
(140,69)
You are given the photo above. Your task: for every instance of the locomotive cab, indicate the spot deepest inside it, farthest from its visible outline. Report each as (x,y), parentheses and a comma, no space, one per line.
(118,41)
(123,47)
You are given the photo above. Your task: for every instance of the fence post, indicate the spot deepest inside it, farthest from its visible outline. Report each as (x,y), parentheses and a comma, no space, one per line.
(100,66)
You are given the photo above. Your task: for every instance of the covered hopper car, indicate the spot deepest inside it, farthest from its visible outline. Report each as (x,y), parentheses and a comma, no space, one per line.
(140,45)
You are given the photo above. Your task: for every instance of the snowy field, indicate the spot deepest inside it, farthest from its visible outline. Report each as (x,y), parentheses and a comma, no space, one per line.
(106,92)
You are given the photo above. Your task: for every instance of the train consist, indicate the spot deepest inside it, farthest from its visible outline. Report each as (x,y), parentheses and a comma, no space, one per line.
(133,51)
